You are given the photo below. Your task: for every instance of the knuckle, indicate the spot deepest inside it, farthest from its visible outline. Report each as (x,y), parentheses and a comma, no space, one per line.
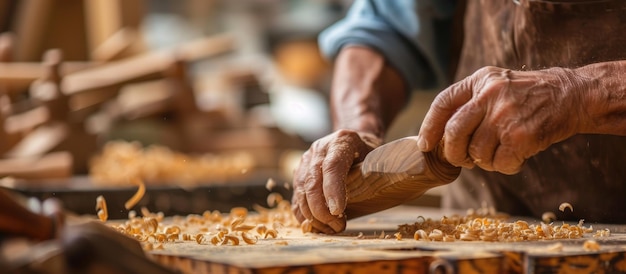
(443,101)
(345,139)
(315,146)
(343,133)
(306,155)
(488,71)
(485,69)
(337,161)
(310,186)
(452,129)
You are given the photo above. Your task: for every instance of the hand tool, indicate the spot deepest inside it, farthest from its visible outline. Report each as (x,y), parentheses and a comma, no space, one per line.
(395,173)
(17,221)
(79,246)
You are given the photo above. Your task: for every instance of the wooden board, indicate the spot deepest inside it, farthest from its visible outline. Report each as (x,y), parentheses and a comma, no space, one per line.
(79,193)
(147,66)
(294,252)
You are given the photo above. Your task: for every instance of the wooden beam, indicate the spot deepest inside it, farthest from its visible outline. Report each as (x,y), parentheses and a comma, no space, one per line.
(145,66)
(30,25)
(103,19)
(115,45)
(22,74)
(48,166)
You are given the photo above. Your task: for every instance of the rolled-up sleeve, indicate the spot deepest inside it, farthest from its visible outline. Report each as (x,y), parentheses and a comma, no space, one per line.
(401,30)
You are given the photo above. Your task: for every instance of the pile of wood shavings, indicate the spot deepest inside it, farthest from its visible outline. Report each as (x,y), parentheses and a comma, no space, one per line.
(488,226)
(239,226)
(120,160)
(210,228)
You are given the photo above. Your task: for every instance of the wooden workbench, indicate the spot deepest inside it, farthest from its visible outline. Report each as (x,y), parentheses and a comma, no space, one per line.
(295,252)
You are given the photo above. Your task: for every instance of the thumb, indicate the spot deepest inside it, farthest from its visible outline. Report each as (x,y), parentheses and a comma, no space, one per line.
(440,111)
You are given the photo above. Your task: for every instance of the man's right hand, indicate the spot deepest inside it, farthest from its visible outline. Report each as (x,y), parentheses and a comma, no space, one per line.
(319,190)
(366,95)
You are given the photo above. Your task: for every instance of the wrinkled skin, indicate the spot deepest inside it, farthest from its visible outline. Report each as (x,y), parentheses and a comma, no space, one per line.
(497,118)
(366,95)
(494,119)
(319,188)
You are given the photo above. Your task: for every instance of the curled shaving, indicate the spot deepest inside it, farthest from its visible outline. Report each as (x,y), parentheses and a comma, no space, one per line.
(138,195)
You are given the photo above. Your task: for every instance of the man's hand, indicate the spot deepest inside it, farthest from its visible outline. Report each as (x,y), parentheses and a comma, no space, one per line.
(498,118)
(319,181)
(365,97)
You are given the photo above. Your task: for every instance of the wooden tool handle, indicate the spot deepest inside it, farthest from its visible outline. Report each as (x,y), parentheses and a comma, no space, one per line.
(15,220)
(395,173)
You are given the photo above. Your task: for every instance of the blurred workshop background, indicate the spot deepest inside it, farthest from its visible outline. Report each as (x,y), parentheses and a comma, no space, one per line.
(203,100)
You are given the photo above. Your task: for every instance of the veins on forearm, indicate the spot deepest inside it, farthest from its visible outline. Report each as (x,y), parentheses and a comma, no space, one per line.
(367,92)
(355,103)
(605,98)
(361,114)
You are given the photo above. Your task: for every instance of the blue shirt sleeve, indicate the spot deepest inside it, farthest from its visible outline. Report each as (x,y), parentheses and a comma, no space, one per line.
(404,31)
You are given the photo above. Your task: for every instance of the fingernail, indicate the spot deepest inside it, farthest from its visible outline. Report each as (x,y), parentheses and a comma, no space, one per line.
(332,206)
(421,143)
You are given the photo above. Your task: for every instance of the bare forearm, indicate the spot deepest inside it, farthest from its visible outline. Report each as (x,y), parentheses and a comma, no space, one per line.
(603,93)
(367,93)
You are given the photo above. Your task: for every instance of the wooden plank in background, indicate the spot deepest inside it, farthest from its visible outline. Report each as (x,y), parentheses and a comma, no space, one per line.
(113,28)
(145,66)
(22,74)
(103,18)
(30,25)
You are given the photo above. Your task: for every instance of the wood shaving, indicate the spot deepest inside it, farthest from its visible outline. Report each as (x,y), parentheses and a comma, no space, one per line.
(563,206)
(492,228)
(101,208)
(398,236)
(306,226)
(270,184)
(273,199)
(138,195)
(591,245)
(548,217)
(212,227)
(602,233)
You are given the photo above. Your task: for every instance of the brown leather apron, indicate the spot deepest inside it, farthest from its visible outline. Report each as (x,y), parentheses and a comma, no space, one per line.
(588,171)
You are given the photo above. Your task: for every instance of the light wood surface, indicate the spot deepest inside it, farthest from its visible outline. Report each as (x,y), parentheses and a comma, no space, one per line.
(295,252)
